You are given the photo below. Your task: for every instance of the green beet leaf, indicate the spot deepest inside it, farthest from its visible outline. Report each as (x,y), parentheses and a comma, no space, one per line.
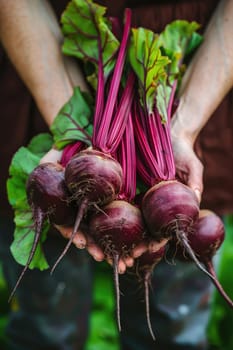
(40,144)
(148,63)
(23,240)
(178,40)
(73,122)
(88,36)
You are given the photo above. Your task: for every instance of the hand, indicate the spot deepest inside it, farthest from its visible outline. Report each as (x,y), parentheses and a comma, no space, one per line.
(189,168)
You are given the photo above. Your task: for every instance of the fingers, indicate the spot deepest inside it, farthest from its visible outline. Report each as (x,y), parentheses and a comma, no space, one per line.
(121,265)
(139,249)
(94,250)
(129,261)
(82,241)
(154,246)
(79,239)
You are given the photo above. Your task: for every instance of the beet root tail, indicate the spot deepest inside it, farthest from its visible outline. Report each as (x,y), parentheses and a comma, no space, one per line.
(39,220)
(210,268)
(117,289)
(147,302)
(80,214)
(184,242)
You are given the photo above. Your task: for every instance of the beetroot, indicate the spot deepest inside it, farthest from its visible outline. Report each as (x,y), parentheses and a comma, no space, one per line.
(93,179)
(169,207)
(205,239)
(48,198)
(117,229)
(94,176)
(48,195)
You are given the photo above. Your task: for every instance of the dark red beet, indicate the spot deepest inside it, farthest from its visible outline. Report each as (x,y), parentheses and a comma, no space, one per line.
(95,176)
(170,209)
(205,239)
(48,198)
(94,179)
(48,193)
(117,229)
(208,235)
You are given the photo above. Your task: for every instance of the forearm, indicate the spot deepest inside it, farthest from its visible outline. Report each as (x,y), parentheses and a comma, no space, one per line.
(209,76)
(30,33)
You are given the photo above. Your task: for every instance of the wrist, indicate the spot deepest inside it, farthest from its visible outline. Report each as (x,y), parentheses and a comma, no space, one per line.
(187,121)
(51,98)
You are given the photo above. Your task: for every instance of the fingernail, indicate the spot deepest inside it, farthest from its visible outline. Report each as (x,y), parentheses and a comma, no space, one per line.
(198,194)
(130,263)
(81,245)
(152,247)
(109,261)
(97,258)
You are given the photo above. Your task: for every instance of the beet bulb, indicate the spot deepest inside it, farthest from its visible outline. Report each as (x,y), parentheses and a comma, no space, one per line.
(93,179)
(117,228)
(170,209)
(48,198)
(207,238)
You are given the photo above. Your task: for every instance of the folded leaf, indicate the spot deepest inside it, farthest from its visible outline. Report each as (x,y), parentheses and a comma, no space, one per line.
(73,122)
(148,63)
(88,35)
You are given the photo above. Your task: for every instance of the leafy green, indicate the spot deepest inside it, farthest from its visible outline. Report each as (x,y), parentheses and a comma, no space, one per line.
(163,95)
(22,164)
(157,60)
(23,241)
(40,144)
(148,63)
(88,35)
(73,121)
(178,40)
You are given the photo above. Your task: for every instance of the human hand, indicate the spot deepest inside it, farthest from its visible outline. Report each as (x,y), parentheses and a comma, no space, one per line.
(189,168)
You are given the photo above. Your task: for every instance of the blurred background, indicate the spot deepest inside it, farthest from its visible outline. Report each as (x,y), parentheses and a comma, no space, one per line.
(103,331)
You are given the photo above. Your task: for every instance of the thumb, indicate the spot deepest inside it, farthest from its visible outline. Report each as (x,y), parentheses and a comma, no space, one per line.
(195,180)
(53,155)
